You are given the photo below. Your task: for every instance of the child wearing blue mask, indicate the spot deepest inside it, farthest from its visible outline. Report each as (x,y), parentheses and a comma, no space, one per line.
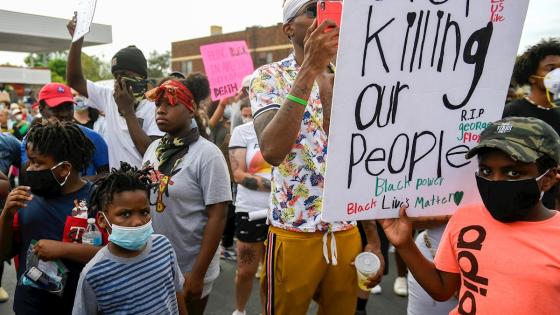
(137,272)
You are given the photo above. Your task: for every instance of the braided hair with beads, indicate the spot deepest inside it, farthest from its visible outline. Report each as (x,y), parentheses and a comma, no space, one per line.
(126,178)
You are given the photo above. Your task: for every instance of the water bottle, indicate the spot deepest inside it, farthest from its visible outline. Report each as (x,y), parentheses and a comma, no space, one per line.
(92,236)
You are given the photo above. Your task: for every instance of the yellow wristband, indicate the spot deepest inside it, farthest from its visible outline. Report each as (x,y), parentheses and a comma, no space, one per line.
(296,99)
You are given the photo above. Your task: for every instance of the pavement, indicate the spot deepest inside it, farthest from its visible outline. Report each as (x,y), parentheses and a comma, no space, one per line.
(222,298)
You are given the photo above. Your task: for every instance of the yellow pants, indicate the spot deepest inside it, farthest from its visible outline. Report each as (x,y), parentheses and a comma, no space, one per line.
(296,272)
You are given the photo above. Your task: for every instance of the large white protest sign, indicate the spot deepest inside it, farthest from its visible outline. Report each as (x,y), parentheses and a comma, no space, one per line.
(416,83)
(85,12)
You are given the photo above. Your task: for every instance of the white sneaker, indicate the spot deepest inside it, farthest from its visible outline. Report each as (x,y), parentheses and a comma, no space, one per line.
(401,286)
(4,296)
(376,290)
(236,312)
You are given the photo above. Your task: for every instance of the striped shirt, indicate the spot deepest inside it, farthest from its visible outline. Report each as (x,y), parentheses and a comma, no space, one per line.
(145,284)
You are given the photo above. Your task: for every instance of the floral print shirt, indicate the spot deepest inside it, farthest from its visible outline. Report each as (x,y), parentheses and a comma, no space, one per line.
(297,183)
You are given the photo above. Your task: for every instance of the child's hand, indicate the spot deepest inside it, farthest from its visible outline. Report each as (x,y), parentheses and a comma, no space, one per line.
(398,231)
(17,199)
(48,249)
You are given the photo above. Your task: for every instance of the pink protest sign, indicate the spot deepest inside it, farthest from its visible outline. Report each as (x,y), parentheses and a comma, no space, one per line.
(226,64)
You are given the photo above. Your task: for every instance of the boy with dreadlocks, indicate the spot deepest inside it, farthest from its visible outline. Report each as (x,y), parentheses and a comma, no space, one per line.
(137,272)
(57,152)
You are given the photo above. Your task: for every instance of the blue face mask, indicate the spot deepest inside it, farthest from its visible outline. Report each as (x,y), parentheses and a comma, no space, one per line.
(80,103)
(131,238)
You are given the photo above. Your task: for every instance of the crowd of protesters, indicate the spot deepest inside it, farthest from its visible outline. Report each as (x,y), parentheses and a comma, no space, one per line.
(173,181)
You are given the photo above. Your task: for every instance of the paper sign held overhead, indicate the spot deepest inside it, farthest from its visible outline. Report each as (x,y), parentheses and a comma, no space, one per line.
(85,12)
(417,81)
(226,64)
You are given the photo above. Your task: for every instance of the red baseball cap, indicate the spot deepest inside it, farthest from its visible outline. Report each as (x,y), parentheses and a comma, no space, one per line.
(55,94)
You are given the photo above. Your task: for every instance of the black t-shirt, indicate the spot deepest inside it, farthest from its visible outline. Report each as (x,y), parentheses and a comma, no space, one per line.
(524,108)
(45,219)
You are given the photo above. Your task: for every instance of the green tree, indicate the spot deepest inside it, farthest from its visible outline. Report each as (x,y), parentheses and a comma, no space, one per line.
(93,67)
(158,64)
(58,70)
(37,60)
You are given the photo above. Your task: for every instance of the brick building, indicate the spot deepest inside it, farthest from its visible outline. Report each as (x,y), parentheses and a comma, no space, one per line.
(266,44)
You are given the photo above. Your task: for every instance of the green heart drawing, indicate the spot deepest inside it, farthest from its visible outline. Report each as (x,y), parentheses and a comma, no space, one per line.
(458,197)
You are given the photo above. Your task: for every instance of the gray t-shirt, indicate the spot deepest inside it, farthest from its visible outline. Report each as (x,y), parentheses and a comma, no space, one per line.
(145,284)
(199,180)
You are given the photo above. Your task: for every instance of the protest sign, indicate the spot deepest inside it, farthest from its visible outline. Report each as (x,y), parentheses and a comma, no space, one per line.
(226,64)
(417,81)
(85,12)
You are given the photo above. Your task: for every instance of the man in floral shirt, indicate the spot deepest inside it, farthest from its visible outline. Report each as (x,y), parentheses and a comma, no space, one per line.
(291,103)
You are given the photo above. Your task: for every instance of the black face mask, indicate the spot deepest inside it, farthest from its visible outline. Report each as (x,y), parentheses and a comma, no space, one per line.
(44,183)
(509,201)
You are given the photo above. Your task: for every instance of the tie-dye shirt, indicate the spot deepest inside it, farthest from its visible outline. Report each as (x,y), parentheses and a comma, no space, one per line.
(297,183)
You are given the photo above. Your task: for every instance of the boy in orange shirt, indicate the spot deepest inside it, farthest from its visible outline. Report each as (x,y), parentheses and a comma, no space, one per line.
(502,256)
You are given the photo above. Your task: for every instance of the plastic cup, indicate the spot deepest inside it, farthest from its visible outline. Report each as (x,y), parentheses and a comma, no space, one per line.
(367,264)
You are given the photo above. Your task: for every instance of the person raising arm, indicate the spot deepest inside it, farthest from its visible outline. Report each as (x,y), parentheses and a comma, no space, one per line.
(123,105)
(278,127)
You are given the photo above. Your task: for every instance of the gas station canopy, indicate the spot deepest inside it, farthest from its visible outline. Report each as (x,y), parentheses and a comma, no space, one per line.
(22,32)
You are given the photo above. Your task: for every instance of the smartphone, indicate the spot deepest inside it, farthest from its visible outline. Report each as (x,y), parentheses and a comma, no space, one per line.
(329,10)
(41,279)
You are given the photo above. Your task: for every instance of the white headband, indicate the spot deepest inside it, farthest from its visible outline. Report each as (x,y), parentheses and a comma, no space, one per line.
(292,7)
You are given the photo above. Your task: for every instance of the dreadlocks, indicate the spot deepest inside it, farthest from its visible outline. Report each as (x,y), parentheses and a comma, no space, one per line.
(64,141)
(126,178)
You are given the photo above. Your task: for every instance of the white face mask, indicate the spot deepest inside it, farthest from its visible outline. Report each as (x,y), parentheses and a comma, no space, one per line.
(552,81)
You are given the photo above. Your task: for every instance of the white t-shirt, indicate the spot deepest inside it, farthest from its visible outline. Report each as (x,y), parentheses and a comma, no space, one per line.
(119,142)
(199,180)
(247,200)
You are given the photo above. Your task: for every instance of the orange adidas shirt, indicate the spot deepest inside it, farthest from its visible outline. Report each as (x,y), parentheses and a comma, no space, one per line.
(511,268)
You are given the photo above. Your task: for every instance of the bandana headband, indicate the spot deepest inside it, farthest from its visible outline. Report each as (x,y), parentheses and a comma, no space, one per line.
(175,92)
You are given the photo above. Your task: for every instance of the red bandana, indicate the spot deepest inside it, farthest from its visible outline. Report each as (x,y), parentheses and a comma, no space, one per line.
(175,92)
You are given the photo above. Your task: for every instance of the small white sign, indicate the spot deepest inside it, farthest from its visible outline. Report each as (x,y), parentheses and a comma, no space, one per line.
(85,10)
